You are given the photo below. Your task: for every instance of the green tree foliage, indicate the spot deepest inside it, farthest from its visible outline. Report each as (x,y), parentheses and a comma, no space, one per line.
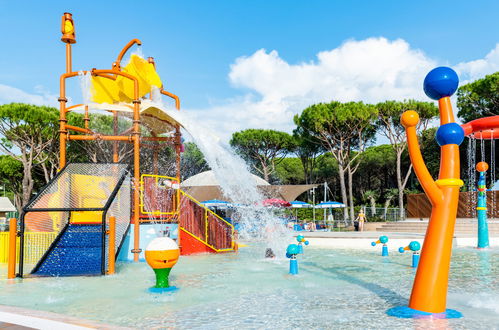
(479,98)
(290,171)
(377,169)
(263,148)
(371,196)
(11,177)
(388,125)
(28,131)
(341,128)
(308,148)
(193,161)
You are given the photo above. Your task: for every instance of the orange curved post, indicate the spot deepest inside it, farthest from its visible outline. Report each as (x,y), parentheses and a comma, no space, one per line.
(429,292)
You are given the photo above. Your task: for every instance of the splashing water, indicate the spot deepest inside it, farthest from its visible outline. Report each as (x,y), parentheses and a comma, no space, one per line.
(238,184)
(85,86)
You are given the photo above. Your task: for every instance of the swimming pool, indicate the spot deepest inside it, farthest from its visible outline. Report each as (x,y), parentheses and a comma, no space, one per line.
(335,289)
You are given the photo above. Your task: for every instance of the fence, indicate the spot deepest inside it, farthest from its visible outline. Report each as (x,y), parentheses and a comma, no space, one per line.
(418,205)
(335,217)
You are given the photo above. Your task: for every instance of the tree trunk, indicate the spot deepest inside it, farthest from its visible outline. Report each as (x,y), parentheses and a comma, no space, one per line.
(387,204)
(401,183)
(27,184)
(341,173)
(350,193)
(373,205)
(265,173)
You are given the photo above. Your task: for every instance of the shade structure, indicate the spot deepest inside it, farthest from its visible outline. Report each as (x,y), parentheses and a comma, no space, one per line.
(329,205)
(275,202)
(216,203)
(300,204)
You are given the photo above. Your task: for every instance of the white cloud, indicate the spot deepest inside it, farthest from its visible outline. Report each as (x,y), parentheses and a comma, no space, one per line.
(10,94)
(473,70)
(371,70)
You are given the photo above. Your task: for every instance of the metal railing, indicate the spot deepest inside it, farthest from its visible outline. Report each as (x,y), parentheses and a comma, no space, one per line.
(205,225)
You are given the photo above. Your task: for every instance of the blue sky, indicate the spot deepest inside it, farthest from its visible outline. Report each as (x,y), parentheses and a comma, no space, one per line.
(255,64)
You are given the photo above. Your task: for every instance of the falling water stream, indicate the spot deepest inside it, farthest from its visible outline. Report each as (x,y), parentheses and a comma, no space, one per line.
(237,184)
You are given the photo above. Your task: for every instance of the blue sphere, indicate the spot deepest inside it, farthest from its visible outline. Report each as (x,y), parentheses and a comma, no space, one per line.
(292,249)
(373,243)
(414,246)
(401,250)
(440,82)
(383,239)
(307,242)
(450,133)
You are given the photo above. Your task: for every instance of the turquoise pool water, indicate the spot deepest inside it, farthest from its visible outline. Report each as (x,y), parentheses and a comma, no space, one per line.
(345,289)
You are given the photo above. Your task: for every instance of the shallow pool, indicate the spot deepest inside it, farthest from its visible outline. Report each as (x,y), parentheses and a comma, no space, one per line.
(345,289)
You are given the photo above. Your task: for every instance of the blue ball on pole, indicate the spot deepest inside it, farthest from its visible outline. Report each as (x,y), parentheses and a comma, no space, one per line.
(440,82)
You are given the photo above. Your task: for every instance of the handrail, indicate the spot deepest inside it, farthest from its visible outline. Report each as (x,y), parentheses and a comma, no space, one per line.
(201,204)
(207,212)
(205,242)
(142,204)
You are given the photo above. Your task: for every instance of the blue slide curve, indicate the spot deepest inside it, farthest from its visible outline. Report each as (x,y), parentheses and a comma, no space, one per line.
(76,251)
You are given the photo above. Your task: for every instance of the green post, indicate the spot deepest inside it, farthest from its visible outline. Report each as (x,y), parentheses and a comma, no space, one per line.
(162,275)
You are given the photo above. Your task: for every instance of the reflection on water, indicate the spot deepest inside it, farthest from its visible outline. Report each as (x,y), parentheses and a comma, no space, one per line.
(335,289)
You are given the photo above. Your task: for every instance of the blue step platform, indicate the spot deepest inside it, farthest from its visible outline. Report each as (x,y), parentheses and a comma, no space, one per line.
(77,251)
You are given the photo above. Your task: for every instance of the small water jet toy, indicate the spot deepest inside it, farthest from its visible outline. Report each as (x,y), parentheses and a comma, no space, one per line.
(413,246)
(481,207)
(291,252)
(301,240)
(382,240)
(162,254)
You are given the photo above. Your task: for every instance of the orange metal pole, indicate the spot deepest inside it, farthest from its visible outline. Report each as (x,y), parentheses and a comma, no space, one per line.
(112,246)
(159,138)
(173,96)
(100,137)
(117,64)
(69,59)
(79,129)
(11,268)
(136,175)
(86,119)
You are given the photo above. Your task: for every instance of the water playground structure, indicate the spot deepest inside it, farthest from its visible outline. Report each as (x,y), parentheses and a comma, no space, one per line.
(88,213)
(429,292)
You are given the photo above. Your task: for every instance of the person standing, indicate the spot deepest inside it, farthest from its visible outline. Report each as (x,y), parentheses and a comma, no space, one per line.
(361,218)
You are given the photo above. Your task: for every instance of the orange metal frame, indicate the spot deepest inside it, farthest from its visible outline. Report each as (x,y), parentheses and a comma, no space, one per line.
(135,134)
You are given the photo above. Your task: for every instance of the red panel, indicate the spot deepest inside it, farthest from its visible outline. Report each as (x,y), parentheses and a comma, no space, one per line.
(484,128)
(190,245)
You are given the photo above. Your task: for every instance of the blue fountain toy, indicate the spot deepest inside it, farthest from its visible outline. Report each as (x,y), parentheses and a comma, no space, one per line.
(291,252)
(414,246)
(382,240)
(301,240)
